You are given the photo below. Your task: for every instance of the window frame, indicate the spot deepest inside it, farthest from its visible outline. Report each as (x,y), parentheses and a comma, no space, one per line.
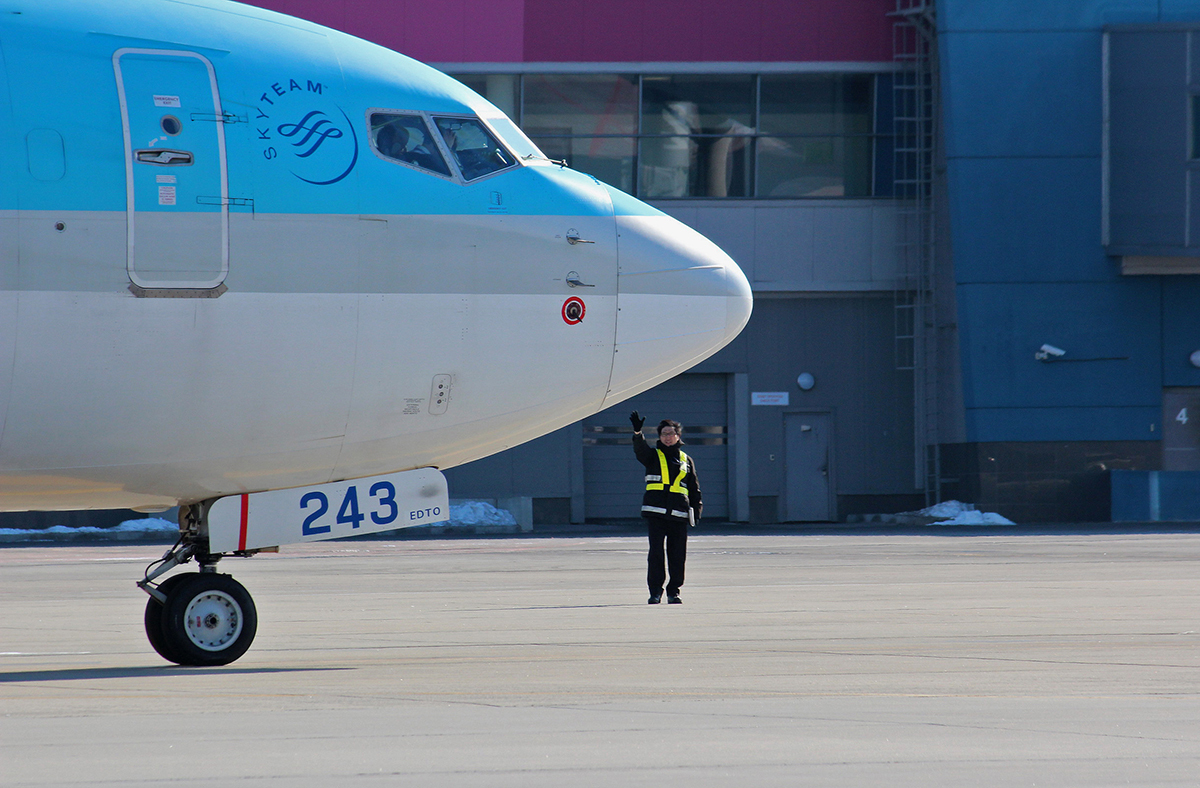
(456,174)
(430,130)
(453,160)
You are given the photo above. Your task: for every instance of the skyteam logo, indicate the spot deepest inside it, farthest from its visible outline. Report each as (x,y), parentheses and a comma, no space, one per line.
(305,131)
(316,128)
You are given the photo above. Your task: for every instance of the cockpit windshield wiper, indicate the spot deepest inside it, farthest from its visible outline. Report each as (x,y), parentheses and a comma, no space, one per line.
(531,156)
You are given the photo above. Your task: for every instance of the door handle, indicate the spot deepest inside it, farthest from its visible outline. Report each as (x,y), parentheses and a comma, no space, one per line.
(168,158)
(573,238)
(573,279)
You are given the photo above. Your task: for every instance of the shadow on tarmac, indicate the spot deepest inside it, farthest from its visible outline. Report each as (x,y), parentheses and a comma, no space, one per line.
(77,674)
(634,527)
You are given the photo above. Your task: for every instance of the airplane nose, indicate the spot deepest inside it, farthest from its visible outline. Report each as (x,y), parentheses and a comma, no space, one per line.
(680,298)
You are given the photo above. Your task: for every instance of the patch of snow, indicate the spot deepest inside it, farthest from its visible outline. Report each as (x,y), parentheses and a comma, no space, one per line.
(479,513)
(977,518)
(149,524)
(959,513)
(947,509)
(145,525)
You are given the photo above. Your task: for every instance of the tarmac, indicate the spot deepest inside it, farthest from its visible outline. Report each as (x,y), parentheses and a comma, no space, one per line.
(841,656)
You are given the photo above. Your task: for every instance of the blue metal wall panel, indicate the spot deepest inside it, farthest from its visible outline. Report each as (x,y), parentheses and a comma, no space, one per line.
(1177,11)
(1004,325)
(1042,15)
(1130,496)
(1181,330)
(1022,94)
(1155,496)
(1179,495)
(1148,141)
(1027,220)
(1023,111)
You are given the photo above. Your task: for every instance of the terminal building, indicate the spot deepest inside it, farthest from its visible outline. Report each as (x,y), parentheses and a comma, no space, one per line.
(970,229)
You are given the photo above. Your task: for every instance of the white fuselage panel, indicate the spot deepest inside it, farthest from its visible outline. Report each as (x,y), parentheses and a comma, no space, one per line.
(235,415)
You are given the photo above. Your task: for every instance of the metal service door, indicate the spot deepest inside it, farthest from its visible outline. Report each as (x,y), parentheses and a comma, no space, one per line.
(176,188)
(807,441)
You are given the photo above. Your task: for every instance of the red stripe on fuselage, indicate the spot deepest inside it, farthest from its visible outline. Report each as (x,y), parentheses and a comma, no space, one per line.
(245,520)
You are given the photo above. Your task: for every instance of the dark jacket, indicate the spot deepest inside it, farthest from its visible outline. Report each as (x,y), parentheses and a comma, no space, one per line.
(665,502)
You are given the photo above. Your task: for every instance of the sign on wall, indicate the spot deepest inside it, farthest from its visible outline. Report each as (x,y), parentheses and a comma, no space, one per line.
(768,398)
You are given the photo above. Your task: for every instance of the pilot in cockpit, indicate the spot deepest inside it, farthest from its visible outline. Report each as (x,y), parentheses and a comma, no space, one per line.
(396,141)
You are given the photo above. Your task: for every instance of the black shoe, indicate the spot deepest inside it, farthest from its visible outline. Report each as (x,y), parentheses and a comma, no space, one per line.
(673,599)
(654,599)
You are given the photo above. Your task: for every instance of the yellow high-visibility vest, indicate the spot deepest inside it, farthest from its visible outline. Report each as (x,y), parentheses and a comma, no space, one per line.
(660,482)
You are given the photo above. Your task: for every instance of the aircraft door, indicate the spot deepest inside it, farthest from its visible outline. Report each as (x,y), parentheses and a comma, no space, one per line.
(176,182)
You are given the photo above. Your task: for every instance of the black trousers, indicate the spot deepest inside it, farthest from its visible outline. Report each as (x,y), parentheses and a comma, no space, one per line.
(674,532)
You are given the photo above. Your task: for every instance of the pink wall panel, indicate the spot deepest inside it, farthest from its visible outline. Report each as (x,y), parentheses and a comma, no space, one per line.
(708,30)
(677,28)
(495,29)
(434,31)
(503,31)
(442,31)
(610,31)
(364,19)
(562,29)
(736,34)
(331,14)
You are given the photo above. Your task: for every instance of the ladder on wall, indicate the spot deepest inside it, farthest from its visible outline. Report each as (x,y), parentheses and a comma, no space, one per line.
(916,111)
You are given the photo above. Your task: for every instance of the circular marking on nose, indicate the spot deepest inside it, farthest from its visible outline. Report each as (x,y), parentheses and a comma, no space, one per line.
(573,310)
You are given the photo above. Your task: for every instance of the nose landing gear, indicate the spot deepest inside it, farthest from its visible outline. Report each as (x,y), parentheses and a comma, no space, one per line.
(203,618)
(207,619)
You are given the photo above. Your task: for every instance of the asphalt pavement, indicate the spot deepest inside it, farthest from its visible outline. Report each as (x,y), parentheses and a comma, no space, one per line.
(843,657)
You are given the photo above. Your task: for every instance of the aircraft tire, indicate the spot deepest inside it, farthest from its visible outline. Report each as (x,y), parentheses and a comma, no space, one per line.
(209,619)
(154,619)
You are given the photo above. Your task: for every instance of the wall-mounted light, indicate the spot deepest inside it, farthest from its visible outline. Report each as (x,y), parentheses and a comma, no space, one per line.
(806,381)
(1195,358)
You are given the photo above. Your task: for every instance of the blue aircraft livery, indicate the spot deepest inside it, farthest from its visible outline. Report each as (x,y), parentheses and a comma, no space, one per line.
(253,266)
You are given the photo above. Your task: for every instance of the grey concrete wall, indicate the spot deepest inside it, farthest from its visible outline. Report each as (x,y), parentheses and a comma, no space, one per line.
(802,245)
(846,343)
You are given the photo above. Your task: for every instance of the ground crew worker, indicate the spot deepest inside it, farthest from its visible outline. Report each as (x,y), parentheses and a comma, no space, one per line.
(670,504)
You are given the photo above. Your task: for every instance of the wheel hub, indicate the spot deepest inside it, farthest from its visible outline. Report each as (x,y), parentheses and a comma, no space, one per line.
(213,620)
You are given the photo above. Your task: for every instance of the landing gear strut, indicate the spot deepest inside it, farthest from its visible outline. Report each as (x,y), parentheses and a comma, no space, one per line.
(202,618)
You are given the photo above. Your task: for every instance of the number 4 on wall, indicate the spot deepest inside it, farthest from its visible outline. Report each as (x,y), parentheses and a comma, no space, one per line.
(1182,416)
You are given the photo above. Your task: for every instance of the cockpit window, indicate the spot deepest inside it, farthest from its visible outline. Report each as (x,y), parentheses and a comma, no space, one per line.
(516,140)
(473,146)
(407,139)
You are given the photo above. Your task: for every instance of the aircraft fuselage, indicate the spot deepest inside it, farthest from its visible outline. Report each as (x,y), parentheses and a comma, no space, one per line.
(215,280)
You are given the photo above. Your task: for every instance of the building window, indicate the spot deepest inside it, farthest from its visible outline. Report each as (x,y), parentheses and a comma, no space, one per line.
(676,136)
(816,136)
(697,135)
(588,120)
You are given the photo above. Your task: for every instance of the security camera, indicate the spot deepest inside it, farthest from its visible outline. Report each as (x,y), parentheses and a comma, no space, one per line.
(1047,351)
